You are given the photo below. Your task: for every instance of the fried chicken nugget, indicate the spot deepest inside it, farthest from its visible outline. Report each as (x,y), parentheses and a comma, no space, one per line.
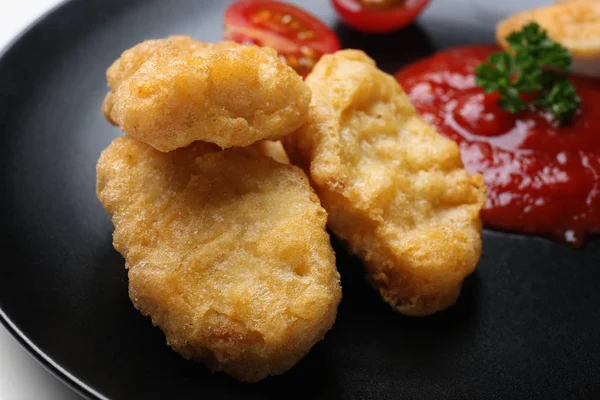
(227,94)
(226,251)
(132,59)
(575,24)
(395,190)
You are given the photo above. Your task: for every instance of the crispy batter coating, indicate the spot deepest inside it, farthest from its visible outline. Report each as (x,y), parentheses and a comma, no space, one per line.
(132,59)
(227,252)
(172,92)
(573,23)
(395,190)
(271,149)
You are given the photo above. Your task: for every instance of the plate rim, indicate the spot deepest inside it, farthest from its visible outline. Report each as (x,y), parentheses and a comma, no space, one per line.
(47,362)
(34,351)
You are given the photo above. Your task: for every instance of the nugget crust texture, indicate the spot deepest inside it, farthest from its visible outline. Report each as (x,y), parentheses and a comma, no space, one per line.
(132,59)
(268,148)
(169,93)
(226,251)
(395,190)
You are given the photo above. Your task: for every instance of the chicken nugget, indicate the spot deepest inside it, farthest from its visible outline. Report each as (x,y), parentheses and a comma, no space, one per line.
(227,94)
(226,251)
(133,58)
(575,24)
(395,190)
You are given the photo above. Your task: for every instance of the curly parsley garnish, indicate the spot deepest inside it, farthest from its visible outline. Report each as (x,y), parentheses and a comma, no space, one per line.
(536,66)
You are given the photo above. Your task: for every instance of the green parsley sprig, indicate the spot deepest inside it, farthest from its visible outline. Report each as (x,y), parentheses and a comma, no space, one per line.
(536,66)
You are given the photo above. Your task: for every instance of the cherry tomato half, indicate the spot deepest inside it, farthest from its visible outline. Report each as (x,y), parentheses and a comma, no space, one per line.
(299,37)
(378,16)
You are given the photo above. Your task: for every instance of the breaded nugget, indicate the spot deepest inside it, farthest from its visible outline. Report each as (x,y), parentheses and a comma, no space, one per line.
(574,23)
(395,190)
(133,58)
(230,95)
(226,251)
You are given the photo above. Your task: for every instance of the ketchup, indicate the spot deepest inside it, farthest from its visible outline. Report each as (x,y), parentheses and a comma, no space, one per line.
(542,178)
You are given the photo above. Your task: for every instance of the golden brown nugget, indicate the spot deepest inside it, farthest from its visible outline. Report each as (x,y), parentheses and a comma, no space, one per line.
(573,23)
(133,58)
(226,251)
(395,190)
(235,96)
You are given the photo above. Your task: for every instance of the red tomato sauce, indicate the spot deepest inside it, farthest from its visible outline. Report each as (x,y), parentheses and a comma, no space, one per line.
(542,178)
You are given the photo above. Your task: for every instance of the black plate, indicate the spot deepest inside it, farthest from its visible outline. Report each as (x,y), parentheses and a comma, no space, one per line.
(526,326)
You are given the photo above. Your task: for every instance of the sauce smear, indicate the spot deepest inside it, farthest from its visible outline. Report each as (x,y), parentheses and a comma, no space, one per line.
(542,178)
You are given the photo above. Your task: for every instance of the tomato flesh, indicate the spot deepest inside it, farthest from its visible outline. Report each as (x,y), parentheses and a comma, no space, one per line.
(381,4)
(379,16)
(299,37)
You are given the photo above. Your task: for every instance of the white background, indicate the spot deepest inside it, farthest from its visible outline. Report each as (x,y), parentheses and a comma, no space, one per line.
(21,377)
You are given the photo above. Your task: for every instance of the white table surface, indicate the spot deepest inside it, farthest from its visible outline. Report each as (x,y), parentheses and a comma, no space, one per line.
(22,377)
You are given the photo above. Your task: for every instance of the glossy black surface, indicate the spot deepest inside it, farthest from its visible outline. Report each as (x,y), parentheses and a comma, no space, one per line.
(526,326)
